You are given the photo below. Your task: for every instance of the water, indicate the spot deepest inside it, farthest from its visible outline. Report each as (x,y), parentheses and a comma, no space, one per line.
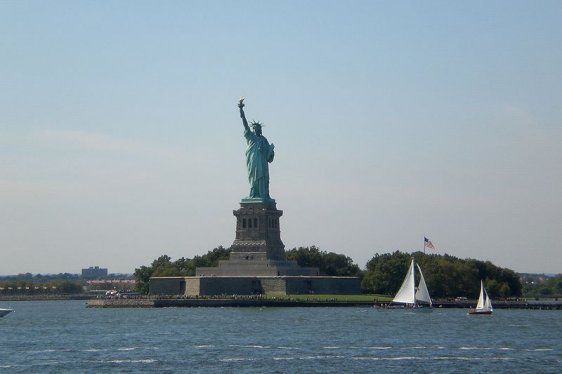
(64,336)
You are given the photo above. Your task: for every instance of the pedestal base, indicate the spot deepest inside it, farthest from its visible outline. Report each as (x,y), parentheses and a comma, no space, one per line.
(257,249)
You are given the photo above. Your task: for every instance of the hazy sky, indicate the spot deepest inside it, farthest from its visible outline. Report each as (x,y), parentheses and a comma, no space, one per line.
(120,138)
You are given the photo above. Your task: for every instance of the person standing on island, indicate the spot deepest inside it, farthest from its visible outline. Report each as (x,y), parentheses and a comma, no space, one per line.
(258,154)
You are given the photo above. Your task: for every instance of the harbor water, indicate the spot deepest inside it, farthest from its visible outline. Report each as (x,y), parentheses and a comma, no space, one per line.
(65,336)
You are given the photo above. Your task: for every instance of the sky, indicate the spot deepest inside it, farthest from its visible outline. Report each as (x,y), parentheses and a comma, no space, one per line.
(120,137)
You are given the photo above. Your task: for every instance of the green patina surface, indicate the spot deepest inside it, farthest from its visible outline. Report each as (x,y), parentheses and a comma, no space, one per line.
(259,154)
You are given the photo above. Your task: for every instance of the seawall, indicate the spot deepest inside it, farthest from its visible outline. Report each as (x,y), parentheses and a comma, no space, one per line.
(195,303)
(41,297)
(234,302)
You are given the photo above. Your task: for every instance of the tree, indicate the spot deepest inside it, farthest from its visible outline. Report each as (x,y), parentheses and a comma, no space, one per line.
(385,273)
(331,263)
(163,266)
(306,256)
(142,277)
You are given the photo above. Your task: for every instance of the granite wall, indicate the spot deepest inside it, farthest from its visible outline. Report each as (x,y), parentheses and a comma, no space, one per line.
(208,286)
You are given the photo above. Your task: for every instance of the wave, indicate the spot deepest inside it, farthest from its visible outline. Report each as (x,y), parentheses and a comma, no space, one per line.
(131,361)
(320,357)
(236,359)
(440,358)
(250,346)
(474,348)
(117,349)
(43,351)
(464,358)
(363,358)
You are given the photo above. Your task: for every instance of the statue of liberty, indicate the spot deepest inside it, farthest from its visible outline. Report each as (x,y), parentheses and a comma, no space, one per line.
(258,154)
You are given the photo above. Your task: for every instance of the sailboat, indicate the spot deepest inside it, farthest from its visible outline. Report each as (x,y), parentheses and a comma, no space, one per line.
(484,305)
(408,295)
(3,312)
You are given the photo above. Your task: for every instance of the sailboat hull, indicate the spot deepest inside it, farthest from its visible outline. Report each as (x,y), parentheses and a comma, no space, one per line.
(479,312)
(3,312)
(423,309)
(407,307)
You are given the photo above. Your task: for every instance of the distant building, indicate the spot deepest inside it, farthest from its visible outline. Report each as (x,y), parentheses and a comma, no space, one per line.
(94,272)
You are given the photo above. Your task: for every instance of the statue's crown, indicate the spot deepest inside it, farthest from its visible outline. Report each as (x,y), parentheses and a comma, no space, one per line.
(257,124)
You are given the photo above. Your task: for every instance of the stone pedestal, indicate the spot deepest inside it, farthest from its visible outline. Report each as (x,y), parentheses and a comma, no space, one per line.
(257,249)
(257,232)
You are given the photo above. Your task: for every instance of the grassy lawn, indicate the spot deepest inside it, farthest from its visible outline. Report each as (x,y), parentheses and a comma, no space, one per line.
(382,298)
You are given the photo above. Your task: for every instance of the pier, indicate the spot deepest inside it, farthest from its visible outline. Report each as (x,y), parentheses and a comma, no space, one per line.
(268,302)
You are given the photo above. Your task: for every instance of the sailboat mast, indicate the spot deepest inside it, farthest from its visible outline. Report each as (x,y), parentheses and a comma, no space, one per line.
(414,276)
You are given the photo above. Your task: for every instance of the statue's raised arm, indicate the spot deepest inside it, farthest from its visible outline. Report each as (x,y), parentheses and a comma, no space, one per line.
(242,115)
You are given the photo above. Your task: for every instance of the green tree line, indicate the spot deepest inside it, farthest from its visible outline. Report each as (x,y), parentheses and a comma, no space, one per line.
(446,276)
(39,278)
(542,286)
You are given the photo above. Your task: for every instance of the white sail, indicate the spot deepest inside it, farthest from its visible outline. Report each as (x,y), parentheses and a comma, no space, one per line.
(407,292)
(480,304)
(487,302)
(422,294)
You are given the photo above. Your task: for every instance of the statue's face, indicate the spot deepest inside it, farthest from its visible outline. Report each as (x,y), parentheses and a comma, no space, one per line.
(257,130)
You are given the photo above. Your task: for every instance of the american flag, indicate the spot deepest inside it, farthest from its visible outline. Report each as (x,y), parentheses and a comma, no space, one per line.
(427,243)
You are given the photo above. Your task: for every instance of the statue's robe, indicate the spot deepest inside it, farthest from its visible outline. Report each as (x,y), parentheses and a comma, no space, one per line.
(258,154)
